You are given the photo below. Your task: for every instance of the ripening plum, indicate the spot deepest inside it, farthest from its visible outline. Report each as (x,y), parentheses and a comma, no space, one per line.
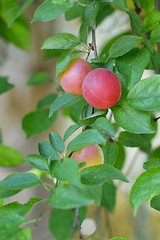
(72,77)
(91,154)
(101,88)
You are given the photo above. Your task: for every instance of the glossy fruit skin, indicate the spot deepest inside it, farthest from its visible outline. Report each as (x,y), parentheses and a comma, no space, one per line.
(91,154)
(72,77)
(101,88)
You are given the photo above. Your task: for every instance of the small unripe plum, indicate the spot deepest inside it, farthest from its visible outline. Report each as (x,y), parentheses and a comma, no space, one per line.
(101,88)
(91,154)
(72,77)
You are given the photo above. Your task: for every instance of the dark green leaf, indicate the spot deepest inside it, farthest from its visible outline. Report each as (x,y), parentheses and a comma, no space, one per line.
(36,122)
(110,152)
(108,196)
(47,100)
(146,187)
(61,41)
(10,157)
(88,137)
(100,174)
(56,142)
(155,34)
(103,125)
(70,131)
(46,150)
(38,78)
(123,45)
(152,162)
(38,162)
(134,121)
(48,11)
(66,100)
(155,203)
(132,65)
(91,119)
(136,23)
(120,4)
(145,95)
(91,14)
(121,157)
(4,85)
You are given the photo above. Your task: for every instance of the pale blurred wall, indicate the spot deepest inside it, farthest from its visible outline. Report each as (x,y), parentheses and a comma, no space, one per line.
(19,66)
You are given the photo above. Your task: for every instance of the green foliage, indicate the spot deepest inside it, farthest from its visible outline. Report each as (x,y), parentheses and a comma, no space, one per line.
(110,152)
(10,157)
(108,200)
(70,131)
(38,162)
(46,101)
(103,125)
(38,78)
(56,142)
(4,85)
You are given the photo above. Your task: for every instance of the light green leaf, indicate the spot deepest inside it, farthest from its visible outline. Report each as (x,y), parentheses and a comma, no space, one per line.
(155,34)
(151,19)
(85,138)
(56,142)
(145,95)
(61,41)
(151,162)
(99,174)
(134,121)
(38,162)
(118,238)
(103,125)
(10,157)
(21,233)
(123,45)
(65,100)
(38,78)
(70,131)
(146,187)
(36,122)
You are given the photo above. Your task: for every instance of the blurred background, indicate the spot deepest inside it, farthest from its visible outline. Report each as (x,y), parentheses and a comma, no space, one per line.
(19,65)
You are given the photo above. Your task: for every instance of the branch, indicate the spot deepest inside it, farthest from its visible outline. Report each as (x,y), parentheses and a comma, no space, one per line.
(94,43)
(77,221)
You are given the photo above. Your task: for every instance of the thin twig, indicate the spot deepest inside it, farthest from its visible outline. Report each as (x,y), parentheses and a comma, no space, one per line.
(94,43)
(156,119)
(77,222)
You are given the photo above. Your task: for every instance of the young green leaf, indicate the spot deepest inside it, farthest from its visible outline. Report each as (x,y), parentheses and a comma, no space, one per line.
(85,138)
(123,45)
(110,152)
(38,162)
(4,85)
(70,131)
(108,196)
(37,122)
(91,13)
(120,4)
(145,95)
(103,125)
(46,150)
(38,78)
(100,174)
(56,142)
(61,41)
(146,187)
(136,23)
(65,100)
(48,11)
(10,157)
(134,121)
(46,101)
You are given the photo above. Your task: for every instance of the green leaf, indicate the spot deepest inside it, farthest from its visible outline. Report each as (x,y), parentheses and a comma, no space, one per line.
(136,23)
(103,125)
(155,203)
(83,32)
(36,122)
(67,196)
(70,131)
(118,238)
(68,171)
(64,61)
(85,138)
(61,41)
(47,100)
(155,34)
(121,157)
(120,4)
(17,34)
(10,157)
(146,187)
(8,192)
(134,121)
(91,14)
(46,150)
(11,9)
(65,100)
(48,11)
(108,196)
(151,19)
(61,222)
(38,78)
(74,12)
(110,152)
(132,65)
(123,45)
(100,174)
(56,142)
(21,233)
(38,162)
(4,85)
(145,95)
(18,181)
(148,5)
(152,162)
(91,118)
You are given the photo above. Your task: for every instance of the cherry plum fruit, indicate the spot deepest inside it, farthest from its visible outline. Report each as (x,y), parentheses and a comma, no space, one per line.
(101,88)
(72,77)
(91,154)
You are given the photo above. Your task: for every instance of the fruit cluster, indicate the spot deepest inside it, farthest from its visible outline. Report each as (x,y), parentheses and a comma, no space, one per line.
(100,87)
